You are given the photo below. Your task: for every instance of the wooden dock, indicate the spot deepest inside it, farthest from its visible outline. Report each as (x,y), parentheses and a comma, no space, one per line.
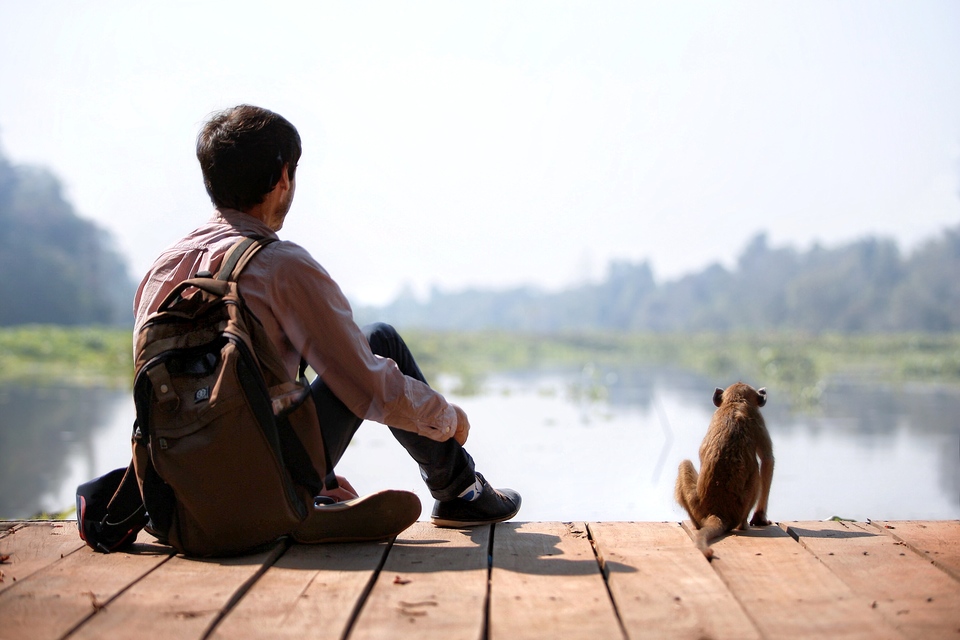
(513,580)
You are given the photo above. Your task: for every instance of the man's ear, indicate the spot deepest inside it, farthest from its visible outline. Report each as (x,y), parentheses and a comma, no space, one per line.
(284,182)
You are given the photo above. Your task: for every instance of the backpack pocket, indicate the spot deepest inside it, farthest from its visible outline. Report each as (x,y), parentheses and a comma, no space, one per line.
(213,438)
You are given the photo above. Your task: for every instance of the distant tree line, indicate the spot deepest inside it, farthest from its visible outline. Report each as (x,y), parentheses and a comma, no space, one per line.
(58,268)
(863,286)
(55,267)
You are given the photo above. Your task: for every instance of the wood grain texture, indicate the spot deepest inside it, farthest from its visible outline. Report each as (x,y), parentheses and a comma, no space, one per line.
(543,580)
(788,593)
(180,599)
(433,585)
(660,581)
(912,594)
(310,591)
(31,546)
(72,590)
(939,542)
(546,583)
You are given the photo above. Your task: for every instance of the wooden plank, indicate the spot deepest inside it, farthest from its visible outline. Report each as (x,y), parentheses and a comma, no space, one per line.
(663,586)
(311,591)
(433,585)
(788,593)
(53,600)
(546,583)
(937,541)
(181,599)
(914,596)
(27,547)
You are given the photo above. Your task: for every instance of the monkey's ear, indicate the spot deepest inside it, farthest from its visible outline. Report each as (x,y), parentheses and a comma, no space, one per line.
(762,400)
(718,397)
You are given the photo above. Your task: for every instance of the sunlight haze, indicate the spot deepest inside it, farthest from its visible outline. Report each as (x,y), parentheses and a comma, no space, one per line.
(500,144)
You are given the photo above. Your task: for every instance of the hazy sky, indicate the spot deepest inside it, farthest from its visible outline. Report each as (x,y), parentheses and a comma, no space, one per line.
(494,144)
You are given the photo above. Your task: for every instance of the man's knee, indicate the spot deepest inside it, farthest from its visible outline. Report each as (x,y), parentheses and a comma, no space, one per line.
(385,341)
(383,338)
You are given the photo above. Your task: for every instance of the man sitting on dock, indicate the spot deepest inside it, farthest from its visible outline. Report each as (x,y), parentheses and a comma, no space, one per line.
(248,156)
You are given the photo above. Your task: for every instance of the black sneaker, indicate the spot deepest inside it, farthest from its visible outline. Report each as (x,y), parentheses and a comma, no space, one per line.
(493,505)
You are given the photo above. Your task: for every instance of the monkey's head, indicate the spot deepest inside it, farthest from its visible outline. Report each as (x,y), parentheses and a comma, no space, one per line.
(740,392)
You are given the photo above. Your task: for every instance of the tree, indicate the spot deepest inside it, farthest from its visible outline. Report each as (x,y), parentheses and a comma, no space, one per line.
(55,267)
(866,285)
(928,299)
(846,289)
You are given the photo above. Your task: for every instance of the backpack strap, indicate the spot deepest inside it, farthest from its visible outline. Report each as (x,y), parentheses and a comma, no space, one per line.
(236,259)
(233,263)
(240,255)
(300,459)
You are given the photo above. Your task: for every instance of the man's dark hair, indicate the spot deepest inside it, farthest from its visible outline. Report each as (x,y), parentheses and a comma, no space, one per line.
(242,152)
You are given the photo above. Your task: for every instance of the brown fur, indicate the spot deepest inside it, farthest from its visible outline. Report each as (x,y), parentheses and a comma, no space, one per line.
(730,481)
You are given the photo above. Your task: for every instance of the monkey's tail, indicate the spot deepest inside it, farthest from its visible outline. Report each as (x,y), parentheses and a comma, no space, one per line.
(710,529)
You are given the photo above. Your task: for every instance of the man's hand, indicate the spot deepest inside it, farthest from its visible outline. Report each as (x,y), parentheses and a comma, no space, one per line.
(463,426)
(342,493)
(453,424)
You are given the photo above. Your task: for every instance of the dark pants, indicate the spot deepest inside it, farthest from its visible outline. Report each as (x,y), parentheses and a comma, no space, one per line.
(445,466)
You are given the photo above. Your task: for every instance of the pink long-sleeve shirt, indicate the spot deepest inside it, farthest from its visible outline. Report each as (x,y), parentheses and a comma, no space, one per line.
(304,312)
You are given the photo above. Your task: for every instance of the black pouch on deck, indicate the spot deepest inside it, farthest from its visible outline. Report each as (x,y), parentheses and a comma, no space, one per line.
(110,511)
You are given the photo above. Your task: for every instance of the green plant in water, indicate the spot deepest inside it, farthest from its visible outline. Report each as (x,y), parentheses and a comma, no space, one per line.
(40,355)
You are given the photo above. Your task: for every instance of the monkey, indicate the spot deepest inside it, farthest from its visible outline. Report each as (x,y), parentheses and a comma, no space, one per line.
(730,481)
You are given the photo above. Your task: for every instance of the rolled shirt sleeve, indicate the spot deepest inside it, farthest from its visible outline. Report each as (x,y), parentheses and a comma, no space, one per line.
(311,316)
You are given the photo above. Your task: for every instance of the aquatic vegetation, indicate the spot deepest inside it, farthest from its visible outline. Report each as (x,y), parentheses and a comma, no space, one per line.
(799,362)
(39,355)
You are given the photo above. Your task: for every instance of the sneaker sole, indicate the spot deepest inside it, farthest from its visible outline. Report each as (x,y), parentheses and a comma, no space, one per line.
(378,516)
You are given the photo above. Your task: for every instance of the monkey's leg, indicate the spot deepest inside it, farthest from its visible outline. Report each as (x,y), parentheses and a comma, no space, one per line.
(766,479)
(750,493)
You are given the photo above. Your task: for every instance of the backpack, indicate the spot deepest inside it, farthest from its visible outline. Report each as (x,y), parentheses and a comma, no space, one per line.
(227,449)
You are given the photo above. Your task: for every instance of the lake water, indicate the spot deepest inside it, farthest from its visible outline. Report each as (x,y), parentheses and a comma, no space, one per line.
(578,445)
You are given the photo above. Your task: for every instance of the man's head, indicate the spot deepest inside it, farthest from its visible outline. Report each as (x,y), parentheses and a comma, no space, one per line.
(242,153)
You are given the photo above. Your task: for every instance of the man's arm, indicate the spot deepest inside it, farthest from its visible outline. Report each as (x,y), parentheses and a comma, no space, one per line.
(316,318)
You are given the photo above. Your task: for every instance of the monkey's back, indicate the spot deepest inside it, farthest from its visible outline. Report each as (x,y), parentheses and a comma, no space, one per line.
(728,464)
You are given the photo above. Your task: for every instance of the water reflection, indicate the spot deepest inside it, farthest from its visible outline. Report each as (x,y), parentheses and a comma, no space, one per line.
(598,444)
(591,444)
(51,439)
